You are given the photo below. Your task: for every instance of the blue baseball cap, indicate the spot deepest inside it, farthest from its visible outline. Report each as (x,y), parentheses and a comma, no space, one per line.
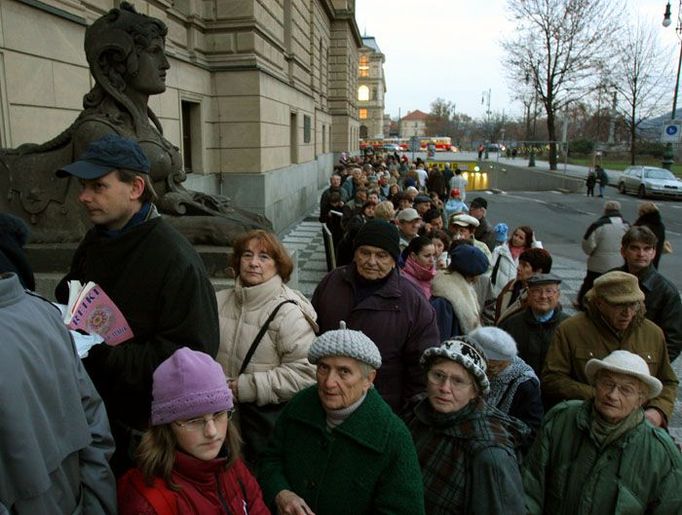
(104,155)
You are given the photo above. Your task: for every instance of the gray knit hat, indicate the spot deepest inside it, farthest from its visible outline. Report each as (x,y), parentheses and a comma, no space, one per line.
(495,343)
(466,353)
(345,342)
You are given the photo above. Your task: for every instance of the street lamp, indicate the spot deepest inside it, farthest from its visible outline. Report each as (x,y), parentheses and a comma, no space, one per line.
(667,21)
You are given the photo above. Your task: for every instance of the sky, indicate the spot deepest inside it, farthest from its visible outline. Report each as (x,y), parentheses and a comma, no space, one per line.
(451,49)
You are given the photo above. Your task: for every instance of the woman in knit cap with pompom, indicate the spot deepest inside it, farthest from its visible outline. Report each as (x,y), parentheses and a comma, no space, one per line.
(189,460)
(466,448)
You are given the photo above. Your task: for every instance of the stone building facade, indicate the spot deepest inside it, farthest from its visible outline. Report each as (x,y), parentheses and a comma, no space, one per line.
(260,96)
(371,89)
(413,124)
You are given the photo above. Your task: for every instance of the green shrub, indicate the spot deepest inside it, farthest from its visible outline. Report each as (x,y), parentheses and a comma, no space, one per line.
(581,146)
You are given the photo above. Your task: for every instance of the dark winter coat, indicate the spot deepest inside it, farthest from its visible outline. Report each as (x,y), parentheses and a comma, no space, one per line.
(468,459)
(365,465)
(13,236)
(663,306)
(653,221)
(396,317)
(159,283)
(532,337)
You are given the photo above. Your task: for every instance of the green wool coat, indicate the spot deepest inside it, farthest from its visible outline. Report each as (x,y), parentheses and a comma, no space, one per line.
(567,473)
(367,464)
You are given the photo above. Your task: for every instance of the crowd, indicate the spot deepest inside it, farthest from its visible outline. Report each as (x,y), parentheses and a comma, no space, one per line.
(433,370)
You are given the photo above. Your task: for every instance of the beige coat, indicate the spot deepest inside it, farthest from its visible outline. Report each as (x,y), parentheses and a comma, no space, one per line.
(279,368)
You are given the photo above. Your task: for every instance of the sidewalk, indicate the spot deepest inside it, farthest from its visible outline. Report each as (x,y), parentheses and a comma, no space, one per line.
(306,239)
(569,170)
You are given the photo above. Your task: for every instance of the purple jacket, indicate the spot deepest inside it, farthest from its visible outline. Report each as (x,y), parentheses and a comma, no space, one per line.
(396,317)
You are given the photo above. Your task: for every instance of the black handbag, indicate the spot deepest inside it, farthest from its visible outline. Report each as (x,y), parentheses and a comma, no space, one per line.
(257,422)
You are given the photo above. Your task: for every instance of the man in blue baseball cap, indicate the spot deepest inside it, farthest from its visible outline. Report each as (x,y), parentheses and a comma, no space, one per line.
(149,270)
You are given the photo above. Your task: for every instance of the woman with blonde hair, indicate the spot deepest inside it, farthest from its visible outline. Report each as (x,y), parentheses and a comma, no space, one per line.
(385,211)
(189,459)
(266,329)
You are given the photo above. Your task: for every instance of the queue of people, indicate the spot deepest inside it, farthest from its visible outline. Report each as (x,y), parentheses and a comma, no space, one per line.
(410,383)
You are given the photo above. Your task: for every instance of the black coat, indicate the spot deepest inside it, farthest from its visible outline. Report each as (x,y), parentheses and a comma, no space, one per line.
(13,236)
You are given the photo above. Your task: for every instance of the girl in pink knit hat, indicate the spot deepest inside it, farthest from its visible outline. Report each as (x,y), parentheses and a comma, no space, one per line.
(189,459)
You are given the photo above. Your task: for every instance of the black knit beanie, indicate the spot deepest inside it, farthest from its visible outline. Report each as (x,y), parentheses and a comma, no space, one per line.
(379,233)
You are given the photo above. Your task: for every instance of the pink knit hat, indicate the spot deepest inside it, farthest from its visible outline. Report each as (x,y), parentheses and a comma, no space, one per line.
(188,384)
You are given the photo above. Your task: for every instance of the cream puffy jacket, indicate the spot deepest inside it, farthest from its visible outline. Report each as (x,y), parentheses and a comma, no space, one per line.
(279,368)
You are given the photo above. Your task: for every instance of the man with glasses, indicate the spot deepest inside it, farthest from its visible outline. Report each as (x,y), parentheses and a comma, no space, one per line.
(613,320)
(661,298)
(600,455)
(533,328)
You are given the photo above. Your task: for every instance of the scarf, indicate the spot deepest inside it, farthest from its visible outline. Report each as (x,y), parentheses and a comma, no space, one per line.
(146,212)
(604,433)
(516,252)
(503,386)
(419,275)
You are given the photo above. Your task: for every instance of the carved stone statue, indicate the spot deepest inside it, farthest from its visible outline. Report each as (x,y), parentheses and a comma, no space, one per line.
(126,54)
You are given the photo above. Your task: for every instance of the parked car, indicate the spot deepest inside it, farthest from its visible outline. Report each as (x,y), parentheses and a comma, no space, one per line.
(650,181)
(392,147)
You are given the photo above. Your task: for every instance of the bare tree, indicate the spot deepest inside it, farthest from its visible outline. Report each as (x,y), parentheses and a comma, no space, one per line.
(439,121)
(638,77)
(559,45)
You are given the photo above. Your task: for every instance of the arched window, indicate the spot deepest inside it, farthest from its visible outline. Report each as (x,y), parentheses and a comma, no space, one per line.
(363,93)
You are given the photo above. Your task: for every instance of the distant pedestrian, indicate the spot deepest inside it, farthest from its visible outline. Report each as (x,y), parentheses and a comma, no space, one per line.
(602,179)
(481,148)
(601,243)
(590,181)
(459,182)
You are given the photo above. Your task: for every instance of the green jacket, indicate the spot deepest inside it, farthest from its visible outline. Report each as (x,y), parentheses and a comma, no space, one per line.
(566,473)
(585,336)
(367,464)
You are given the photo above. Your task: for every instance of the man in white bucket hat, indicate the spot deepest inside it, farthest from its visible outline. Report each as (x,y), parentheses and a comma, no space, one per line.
(602,455)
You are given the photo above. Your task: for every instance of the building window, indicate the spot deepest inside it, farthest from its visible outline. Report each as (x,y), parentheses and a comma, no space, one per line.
(363,93)
(293,138)
(191,136)
(363,132)
(306,128)
(364,66)
(374,93)
(362,114)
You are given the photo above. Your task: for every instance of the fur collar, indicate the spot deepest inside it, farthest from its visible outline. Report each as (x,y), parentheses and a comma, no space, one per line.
(457,291)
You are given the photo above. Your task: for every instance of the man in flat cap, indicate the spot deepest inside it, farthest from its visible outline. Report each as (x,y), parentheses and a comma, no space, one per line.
(149,270)
(533,327)
(613,320)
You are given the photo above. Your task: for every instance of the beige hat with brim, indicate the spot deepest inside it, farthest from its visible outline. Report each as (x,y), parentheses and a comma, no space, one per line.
(625,362)
(616,288)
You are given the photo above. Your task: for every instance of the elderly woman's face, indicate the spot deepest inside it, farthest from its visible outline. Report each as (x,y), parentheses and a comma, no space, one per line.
(617,395)
(449,386)
(340,381)
(152,66)
(255,265)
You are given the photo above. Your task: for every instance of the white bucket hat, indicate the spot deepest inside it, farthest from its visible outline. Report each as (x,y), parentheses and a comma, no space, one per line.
(625,362)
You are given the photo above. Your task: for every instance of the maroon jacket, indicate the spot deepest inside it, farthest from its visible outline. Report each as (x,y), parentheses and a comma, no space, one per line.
(396,317)
(206,487)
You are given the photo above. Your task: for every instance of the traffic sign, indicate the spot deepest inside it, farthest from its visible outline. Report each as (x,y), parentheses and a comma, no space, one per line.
(671,131)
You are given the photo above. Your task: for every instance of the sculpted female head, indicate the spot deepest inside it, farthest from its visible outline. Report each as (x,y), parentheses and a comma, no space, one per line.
(116,46)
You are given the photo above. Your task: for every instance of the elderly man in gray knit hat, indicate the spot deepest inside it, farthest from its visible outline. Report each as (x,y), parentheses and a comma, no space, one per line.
(613,320)
(330,432)
(601,455)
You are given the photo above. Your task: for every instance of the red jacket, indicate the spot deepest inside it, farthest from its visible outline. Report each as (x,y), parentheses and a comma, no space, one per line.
(206,487)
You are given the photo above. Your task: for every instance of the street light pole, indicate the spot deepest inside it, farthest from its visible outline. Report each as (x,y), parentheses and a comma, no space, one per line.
(668,154)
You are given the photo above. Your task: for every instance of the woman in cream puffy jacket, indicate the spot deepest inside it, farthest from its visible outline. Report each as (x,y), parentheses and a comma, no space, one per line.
(279,368)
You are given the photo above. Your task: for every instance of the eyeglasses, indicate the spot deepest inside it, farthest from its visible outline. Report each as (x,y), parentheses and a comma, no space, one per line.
(440,378)
(607,386)
(199,423)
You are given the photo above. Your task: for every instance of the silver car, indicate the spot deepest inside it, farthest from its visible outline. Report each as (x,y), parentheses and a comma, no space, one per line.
(650,181)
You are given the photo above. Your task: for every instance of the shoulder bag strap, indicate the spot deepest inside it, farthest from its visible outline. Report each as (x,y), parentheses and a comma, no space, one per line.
(260,335)
(495,269)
